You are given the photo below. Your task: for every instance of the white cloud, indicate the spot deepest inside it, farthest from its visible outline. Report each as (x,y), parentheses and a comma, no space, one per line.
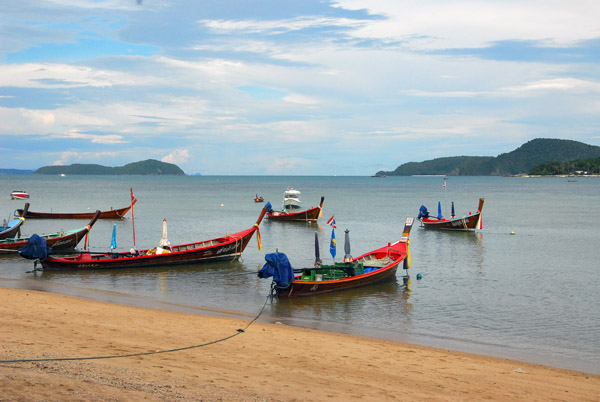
(25,121)
(456,24)
(70,157)
(177,156)
(94,138)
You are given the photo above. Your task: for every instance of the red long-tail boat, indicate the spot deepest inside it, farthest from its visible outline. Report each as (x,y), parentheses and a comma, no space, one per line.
(466,223)
(370,268)
(109,214)
(63,240)
(309,215)
(229,247)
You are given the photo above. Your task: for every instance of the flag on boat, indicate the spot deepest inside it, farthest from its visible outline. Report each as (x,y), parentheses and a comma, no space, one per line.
(444,185)
(331,222)
(332,245)
(113,241)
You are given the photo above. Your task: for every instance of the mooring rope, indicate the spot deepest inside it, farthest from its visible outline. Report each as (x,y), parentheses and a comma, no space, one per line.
(239,331)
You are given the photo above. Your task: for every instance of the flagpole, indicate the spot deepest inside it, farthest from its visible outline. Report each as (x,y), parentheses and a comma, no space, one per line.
(132,216)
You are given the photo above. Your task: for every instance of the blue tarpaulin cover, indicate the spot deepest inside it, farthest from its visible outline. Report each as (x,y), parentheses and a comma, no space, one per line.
(35,248)
(423,213)
(278,266)
(268,207)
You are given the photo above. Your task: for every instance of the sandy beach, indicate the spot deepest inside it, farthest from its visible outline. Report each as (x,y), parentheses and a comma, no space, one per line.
(266,362)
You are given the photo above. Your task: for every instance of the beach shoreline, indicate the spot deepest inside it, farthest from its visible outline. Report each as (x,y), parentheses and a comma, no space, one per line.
(254,360)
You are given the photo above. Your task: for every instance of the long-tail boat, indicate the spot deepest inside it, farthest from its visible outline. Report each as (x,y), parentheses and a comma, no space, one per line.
(229,247)
(370,268)
(466,223)
(309,215)
(63,240)
(111,214)
(12,228)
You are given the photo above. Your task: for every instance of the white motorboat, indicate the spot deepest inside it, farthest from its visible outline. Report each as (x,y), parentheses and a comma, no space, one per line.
(291,199)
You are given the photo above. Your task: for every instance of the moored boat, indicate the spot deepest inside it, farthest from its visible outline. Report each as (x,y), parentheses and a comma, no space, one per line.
(63,240)
(229,247)
(258,199)
(466,223)
(309,215)
(291,199)
(19,195)
(370,268)
(12,228)
(109,214)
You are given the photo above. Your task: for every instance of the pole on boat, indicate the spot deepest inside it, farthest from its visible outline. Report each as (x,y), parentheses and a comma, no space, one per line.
(132,216)
(318,261)
(347,256)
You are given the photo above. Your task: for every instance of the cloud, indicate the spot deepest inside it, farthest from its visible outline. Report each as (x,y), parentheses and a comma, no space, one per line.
(70,157)
(178,156)
(94,138)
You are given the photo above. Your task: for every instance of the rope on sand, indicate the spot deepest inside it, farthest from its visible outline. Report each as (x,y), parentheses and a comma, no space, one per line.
(239,331)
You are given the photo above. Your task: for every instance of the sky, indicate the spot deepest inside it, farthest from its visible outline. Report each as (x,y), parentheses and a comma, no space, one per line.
(280,87)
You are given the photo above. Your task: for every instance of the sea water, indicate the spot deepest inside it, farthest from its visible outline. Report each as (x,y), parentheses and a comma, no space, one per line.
(525,287)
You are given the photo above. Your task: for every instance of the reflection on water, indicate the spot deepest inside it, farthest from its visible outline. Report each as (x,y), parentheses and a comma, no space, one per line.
(516,296)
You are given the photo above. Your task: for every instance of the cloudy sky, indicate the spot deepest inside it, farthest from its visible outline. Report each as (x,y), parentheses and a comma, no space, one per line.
(298,87)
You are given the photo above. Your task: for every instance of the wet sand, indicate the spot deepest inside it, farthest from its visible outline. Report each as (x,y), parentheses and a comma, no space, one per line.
(266,362)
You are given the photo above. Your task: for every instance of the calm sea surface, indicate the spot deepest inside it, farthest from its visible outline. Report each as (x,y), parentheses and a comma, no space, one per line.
(532,296)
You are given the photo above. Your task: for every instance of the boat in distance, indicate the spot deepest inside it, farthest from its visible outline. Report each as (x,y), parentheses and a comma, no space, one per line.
(229,247)
(291,199)
(309,215)
(368,269)
(110,214)
(466,223)
(63,240)
(19,195)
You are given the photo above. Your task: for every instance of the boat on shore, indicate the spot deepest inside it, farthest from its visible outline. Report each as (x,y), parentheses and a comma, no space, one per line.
(466,223)
(368,269)
(110,214)
(229,247)
(309,215)
(291,199)
(63,240)
(19,195)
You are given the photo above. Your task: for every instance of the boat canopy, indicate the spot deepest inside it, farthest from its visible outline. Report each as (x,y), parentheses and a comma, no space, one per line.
(278,266)
(423,213)
(35,248)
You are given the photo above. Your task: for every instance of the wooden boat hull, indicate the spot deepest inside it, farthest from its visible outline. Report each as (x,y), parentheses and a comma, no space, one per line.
(12,231)
(466,223)
(384,263)
(57,241)
(223,248)
(310,215)
(111,214)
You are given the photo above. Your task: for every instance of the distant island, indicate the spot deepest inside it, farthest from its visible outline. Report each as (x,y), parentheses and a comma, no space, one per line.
(521,161)
(147,167)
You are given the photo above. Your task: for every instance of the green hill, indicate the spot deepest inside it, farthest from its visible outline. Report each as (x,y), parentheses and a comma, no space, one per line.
(519,161)
(147,167)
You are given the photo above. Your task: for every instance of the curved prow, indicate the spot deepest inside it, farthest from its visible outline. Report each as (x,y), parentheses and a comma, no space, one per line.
(408,224)
(133,201)
(23,212)
(262,214)
(480,205)
(321,204)
(94,219)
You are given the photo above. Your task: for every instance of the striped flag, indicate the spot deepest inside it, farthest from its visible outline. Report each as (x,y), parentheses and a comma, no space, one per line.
(331,222)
